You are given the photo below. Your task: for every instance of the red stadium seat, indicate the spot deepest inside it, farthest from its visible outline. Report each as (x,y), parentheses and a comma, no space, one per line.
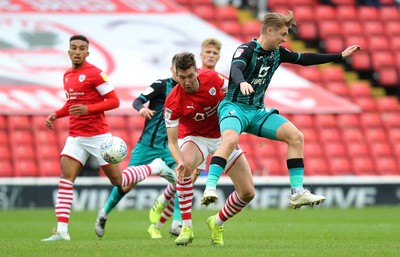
(21,136)
(391,119)
(272,167)
(231,27)
(49,168)
(363,166)
(303,120)
(327,134)
(333,73)
(378,43)
(392,28)
(205,12)
(346,12)
(360,89)
(371,120)
(372,28)
(303,12)
(348,120)
(387,104)
(334,149)
(352,135)
(310,73)
(3,122)
(324,12)
(361,61)
(325,120)
(44,136)
(226,13)
(307,30)
(388,76)
(338,88)
(313,149)
(387,166)
(351,27)
(389,13)
(328,28)
(394,134)
(357,149)
(379,149)
(316,166)
(375,134)
(367,104)
(22,151)
(5,151)
(340,166)
(251,28)
(382,59)
(39,122)
(7,169)
(367,13)
(19,122)
(356,39)
(333,44)
(4,137)
(395,43)
(310,134)
(25,168)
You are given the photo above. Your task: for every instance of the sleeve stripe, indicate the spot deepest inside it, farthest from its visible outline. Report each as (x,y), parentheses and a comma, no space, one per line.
(104,88)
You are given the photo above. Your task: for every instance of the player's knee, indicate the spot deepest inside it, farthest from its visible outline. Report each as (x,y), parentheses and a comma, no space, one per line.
(247,195)
(231,140)
(296,138)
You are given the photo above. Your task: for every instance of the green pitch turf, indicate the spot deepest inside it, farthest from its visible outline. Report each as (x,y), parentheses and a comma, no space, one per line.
(373,231)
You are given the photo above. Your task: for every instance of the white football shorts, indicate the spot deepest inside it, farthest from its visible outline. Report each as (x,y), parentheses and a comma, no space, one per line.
(80,148)
(208,146)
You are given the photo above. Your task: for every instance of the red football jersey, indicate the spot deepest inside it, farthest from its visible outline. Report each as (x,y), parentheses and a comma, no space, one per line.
(196,114)
(86,85)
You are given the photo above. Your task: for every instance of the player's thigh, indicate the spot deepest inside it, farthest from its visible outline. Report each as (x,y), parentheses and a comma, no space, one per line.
(232,116)
(242,178)
(193,155)
(267,124)
(70,168)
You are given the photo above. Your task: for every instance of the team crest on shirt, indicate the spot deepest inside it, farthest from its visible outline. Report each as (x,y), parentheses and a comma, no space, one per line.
(104,76)
(82,77)
(212,91)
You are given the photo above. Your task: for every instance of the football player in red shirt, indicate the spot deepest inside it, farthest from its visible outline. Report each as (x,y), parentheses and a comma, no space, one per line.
(89,95)
(192,106)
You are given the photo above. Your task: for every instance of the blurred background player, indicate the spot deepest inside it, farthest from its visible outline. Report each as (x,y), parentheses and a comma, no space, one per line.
(161,211)
(243,109)
(89,94)
(152,144)
(191,109)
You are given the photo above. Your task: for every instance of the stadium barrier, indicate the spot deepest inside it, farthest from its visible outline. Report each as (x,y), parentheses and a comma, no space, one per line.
(90,193)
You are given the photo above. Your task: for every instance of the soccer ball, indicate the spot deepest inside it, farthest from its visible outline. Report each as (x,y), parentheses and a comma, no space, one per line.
(113,150)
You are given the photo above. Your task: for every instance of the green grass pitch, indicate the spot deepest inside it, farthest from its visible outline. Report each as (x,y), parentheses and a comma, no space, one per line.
(372,231)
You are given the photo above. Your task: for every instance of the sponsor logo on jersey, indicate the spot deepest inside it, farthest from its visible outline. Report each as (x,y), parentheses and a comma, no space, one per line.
(168,113)
(238,53)
(148,91)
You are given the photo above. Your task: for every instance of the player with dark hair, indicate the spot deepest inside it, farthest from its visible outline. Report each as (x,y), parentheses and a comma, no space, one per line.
(191,113)
(243,110)
(89,95)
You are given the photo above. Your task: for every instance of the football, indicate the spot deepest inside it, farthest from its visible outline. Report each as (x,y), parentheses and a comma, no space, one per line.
(113,150)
